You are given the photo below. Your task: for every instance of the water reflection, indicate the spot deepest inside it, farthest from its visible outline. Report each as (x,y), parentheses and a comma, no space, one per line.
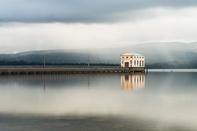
(168,97)
(133,81)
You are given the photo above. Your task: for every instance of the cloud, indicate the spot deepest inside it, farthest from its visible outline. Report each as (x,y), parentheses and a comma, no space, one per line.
(83,11)
(161,26)
(81,27)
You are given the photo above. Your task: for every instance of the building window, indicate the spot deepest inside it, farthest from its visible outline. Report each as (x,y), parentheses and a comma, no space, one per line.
(140,63)
(122,57)
(122,62)
(126,57)
(130,62)
(134,62)
(137,62)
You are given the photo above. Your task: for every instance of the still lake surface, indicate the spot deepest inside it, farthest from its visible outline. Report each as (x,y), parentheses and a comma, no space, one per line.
(160,100)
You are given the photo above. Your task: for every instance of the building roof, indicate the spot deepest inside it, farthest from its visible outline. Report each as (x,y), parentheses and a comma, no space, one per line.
(127,54)
(132,54)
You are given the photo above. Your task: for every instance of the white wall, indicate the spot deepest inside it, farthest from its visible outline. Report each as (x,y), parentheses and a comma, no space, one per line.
(137,61)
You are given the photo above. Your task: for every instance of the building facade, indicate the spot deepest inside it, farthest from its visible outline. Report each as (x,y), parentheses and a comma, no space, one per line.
(132,60)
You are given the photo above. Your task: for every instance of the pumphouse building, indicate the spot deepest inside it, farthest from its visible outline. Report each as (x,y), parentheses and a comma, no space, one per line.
(132,60)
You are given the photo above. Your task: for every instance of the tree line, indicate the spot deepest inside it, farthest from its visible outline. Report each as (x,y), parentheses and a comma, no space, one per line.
(24,63)
(173,65)
(158,65)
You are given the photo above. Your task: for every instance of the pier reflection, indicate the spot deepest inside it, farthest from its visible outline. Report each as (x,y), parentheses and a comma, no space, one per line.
(132,81)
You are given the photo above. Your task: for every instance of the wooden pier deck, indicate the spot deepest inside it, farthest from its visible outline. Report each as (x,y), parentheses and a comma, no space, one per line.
(66,70)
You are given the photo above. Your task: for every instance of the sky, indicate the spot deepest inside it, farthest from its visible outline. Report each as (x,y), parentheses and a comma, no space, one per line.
(73,24)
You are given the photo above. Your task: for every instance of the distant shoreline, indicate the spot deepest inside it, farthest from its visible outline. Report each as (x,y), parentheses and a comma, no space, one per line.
(159,65)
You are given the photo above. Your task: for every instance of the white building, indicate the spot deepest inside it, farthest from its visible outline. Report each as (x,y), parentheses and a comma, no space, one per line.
(132,60)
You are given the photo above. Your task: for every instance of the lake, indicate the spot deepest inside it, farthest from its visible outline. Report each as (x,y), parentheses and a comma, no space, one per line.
(160,100)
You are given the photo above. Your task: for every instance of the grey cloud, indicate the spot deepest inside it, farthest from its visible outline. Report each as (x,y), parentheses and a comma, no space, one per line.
(78,10)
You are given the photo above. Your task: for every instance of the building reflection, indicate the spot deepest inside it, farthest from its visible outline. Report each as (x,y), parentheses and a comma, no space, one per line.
(132,81)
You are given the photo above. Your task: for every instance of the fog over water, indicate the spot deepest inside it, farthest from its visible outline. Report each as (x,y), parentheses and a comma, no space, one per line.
(166,97)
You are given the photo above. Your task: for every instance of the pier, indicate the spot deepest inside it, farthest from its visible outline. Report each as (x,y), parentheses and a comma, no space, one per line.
(12,70)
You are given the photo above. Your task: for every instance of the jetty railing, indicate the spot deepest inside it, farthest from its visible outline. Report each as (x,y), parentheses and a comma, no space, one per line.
(9,70)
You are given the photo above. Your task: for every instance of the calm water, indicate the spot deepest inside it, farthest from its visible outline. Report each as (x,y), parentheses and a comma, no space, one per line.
(161,100)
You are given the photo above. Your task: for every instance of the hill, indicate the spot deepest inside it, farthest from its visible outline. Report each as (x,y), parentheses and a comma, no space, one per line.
(156,52)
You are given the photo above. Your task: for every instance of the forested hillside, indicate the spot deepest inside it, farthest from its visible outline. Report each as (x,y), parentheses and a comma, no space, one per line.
(157,55)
